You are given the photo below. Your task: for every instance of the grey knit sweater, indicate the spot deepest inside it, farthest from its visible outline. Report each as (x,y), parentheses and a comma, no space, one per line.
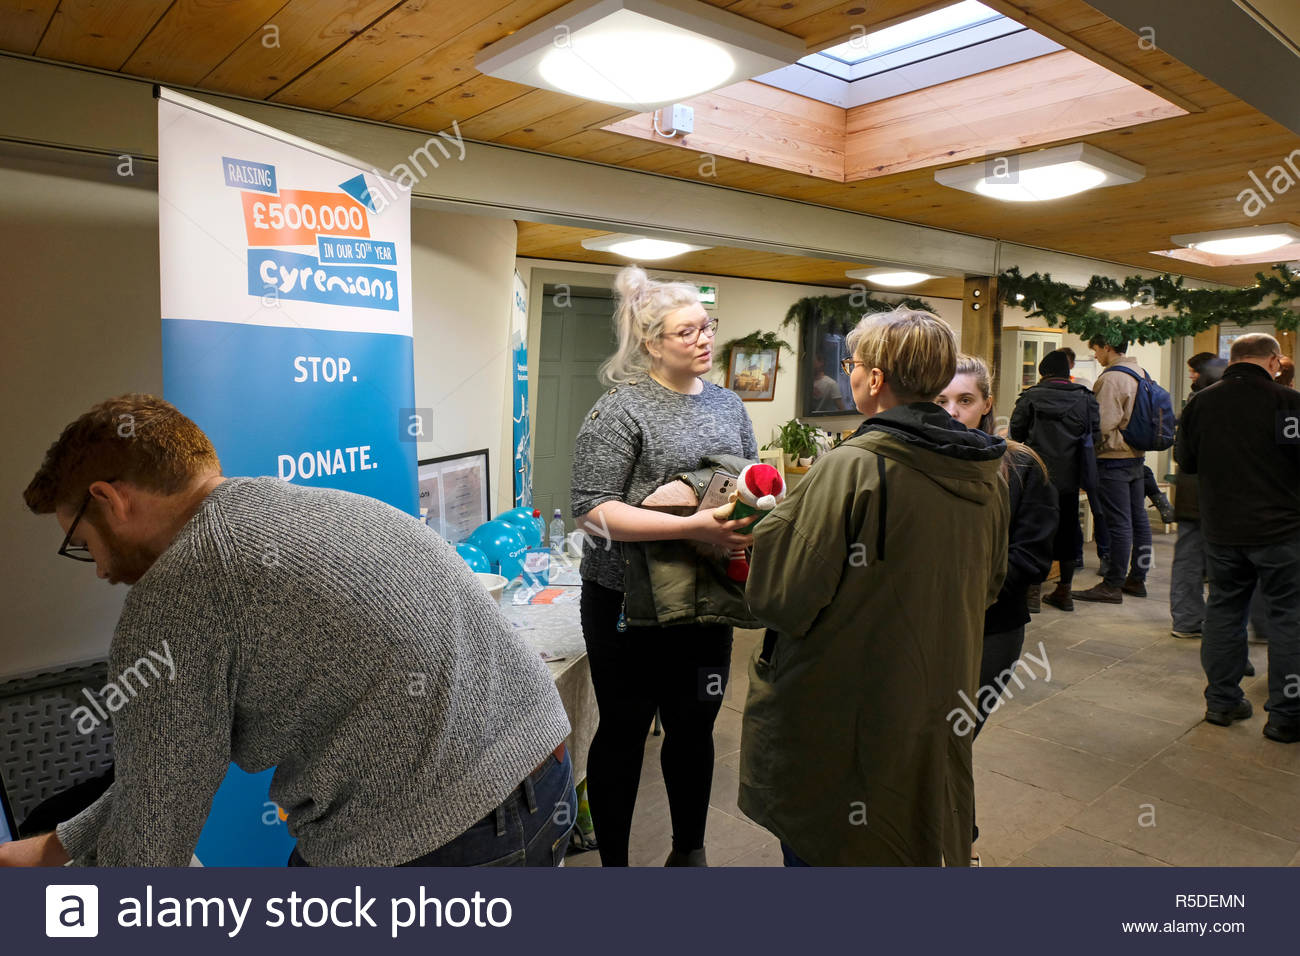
(636,437)
(332,637)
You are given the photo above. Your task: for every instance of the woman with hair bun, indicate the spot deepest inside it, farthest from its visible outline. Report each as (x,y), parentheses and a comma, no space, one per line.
(659,418)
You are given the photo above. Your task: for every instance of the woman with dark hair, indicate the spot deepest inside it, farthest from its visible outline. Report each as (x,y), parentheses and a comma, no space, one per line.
(659,418)
(1056,418)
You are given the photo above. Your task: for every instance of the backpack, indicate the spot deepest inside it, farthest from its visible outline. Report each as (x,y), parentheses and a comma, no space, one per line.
(1151,423)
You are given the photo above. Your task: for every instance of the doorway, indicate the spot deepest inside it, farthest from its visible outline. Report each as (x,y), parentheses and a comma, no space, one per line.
(576,336)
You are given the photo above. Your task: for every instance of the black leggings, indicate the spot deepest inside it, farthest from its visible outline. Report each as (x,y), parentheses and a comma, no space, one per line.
(682,671)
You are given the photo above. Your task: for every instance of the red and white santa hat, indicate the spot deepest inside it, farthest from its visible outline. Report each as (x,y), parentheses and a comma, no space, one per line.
(761,486)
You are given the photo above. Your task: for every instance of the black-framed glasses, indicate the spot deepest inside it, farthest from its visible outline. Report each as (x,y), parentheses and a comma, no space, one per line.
(691,335)
(848,363)
(77,552)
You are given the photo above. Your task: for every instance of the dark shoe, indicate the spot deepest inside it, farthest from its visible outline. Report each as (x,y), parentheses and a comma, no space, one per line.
(1282,733)
(1135,586)
(1164,507)
(1033,598)
(1060,599)
(1187,635)
(691,858)
(1250,669)
(1100,593)
(1224,718)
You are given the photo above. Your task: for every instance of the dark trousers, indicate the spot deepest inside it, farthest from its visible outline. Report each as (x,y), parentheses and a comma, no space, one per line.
(530,827)
(1001,650)
(1067,546)
(682,672)
(1234,573)
(1123,501)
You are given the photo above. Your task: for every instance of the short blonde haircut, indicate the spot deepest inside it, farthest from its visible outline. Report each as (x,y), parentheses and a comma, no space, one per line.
(916,351)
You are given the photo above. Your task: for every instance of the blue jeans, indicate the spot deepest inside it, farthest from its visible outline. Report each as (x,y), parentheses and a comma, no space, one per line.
(788,857)
(1187,584)
(1235,572)
(530,828)
(1123,502)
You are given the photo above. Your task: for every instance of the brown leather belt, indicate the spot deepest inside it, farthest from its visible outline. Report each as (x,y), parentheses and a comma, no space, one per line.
(557,753)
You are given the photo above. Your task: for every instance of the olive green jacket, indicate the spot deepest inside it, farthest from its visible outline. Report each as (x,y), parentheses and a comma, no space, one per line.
(874,575)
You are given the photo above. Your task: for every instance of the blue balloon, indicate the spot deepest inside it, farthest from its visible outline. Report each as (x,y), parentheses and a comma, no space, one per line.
(475,558)
(522,518)
(504,546)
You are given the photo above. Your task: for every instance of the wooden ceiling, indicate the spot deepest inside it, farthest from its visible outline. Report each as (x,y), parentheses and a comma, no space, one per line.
(542,241)
(411,63)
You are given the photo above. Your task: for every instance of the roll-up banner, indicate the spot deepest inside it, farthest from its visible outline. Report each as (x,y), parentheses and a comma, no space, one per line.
(522,434)
(286,332)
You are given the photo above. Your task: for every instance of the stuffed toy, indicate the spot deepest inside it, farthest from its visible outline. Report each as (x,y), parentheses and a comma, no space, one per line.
(759,489)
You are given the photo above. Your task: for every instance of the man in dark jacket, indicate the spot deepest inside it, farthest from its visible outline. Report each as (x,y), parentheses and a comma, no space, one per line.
(1241,438)
(1055,419)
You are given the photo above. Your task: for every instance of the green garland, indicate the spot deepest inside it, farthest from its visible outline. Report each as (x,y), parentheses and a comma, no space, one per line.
(1188,311)
(753,342)
(842,312)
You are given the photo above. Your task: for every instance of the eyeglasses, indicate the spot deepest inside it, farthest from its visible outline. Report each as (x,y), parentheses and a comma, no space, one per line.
(691,334)
(78,552)
(848,363)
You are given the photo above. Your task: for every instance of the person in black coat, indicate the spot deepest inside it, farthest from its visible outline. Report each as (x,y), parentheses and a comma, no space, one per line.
(969,399)
(1056,418)
(1241,438)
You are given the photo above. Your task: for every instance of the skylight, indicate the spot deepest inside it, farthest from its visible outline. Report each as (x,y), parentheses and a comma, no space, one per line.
(931,26)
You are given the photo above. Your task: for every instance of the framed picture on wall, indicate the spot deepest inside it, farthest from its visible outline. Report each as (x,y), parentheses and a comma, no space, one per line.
(752,374)
(454,493)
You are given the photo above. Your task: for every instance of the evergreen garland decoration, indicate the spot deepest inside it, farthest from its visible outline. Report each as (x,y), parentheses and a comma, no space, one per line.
(842,312)
(753,342)
(1188,311)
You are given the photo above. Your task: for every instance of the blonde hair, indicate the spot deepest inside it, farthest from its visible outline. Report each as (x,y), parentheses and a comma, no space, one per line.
(639,318)
(916,351)
(976,368)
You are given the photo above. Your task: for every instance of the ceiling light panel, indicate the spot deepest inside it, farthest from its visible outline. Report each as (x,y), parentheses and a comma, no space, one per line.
(1043,175)
(892,278)
(641,54)
(1247,241)
(642,248)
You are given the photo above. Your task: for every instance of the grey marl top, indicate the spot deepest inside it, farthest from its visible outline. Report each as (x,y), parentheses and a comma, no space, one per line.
(638,436)
(339,640)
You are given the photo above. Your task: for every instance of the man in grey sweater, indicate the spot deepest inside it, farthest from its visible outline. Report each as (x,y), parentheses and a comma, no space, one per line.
(322,633)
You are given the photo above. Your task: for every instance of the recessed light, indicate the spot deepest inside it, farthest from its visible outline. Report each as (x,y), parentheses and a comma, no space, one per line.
(638,53)
(1042,175)
(639,247)
(889,277)
(1114,305)
(1247,241)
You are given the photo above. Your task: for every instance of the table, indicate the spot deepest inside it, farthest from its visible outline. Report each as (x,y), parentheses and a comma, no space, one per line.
(557,630)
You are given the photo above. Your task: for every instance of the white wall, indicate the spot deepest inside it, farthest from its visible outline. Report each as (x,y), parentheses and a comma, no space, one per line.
(744,306)
(81,323)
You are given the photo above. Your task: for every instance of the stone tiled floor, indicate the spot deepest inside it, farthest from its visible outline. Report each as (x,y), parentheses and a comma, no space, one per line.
(1108,764)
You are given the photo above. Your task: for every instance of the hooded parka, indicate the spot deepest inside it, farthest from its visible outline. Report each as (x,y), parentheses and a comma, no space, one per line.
(873,577)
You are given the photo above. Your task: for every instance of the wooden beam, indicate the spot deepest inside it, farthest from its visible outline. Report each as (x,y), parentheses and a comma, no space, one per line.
(981,321)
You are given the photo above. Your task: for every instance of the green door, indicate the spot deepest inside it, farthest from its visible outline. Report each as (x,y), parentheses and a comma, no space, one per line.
(576,336)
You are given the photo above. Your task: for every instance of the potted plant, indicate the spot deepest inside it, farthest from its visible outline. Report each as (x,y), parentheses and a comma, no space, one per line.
(798,441)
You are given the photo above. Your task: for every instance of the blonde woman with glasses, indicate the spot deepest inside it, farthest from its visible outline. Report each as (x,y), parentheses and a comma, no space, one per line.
(659,418)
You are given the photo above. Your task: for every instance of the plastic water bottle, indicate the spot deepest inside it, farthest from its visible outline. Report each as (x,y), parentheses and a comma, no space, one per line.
(557,533)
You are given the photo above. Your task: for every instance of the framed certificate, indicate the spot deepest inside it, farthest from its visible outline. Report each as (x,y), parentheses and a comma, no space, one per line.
(454,493)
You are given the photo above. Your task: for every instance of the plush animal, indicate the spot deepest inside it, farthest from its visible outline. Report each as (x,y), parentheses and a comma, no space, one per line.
(759,489)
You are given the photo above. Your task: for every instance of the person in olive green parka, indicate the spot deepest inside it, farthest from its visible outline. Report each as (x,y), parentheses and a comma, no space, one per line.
(873,577)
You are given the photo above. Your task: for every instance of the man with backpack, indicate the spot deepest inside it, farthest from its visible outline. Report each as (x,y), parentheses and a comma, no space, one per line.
(1136,417)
